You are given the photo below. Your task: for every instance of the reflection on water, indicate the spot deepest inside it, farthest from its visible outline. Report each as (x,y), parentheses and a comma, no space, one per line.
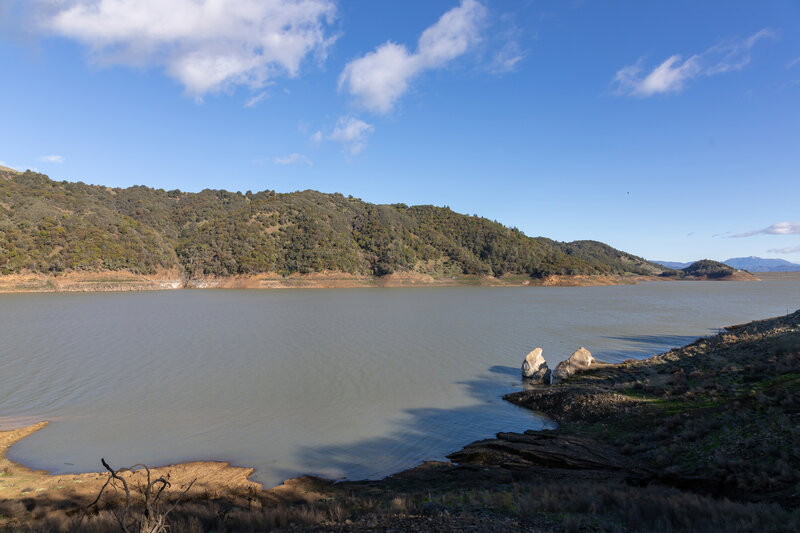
(354,383)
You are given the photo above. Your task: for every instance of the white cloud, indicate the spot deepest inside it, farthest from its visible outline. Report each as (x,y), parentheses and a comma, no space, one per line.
(672,74)
(380,78)
(255,99)
(52,159)
(352,133)
(787,250)
(316,137)
(793,62)
(452,35)
(669,76)
(293,158)
(207,45)
(781,228)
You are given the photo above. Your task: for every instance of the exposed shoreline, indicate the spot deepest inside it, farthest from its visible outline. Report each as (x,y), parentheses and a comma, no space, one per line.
(19,481)
(122,281)
(609,437)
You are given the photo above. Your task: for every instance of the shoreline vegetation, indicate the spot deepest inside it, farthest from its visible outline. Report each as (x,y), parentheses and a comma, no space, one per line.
(702,438)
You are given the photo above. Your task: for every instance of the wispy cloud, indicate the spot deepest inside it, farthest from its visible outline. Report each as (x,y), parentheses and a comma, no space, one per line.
(793,62)
(52,159)
(207,45)
(510,53)
(378,79)
(352,133)
(255,99)
(788,85)
(780,228)
(669,76)
(787,250)
(316,137)
(506,59)
(293,158)
(673,73)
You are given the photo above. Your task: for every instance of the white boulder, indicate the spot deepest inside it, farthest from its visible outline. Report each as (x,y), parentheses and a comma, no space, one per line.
(578,361)
(534,367)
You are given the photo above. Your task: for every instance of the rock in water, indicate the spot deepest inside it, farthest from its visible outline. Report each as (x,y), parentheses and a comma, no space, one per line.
(534,367)
(578,361)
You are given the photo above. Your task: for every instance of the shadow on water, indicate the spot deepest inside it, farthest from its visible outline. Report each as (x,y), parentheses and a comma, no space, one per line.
(642,346)
(656,340)
(505,370)
(426,434)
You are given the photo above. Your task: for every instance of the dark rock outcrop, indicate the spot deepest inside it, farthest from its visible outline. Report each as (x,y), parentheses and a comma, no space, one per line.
(542,449)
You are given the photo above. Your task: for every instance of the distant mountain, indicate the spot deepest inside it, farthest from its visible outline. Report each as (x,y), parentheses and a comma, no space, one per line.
(751,264)
(706,269)
(50,227)
(760,264)
(677,265)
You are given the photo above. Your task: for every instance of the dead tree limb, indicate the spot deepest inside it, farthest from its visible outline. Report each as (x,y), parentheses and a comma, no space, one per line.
(153,518)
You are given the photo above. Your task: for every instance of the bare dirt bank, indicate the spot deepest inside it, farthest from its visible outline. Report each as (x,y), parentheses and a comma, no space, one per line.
(169,280)
(38,490)
(90,282)
(739,275)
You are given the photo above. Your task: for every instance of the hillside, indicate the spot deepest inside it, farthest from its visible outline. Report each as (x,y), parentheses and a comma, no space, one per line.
(706,268)
(6,169)
(56,227)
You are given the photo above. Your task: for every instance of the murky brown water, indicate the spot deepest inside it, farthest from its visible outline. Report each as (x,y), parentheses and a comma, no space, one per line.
(356,383)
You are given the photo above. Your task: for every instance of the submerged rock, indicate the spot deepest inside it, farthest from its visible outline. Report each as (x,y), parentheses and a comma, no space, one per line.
(534,367)
(580,360)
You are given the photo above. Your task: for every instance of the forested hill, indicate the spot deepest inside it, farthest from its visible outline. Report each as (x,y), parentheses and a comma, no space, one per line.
(48,226)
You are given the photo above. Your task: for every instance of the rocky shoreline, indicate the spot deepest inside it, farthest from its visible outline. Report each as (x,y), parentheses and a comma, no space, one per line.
(121,281)
(701,438)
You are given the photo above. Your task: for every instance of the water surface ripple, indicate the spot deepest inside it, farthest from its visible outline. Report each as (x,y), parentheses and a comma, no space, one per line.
(343,383)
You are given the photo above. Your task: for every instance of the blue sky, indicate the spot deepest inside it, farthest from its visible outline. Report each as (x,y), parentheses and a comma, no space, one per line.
(667,129)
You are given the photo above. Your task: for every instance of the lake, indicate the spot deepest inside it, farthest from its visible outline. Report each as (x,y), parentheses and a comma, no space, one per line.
(345,383)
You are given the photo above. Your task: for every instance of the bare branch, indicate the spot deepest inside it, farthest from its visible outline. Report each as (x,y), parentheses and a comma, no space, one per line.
(180,497)
(153,519)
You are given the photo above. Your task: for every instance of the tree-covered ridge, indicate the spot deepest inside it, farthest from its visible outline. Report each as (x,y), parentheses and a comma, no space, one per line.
(48,226)
(708,268)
